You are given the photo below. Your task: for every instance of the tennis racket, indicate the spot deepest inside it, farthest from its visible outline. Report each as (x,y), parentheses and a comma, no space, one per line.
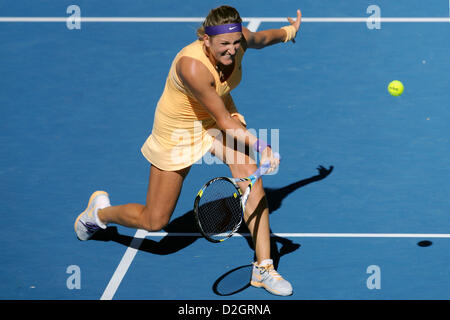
(220,204)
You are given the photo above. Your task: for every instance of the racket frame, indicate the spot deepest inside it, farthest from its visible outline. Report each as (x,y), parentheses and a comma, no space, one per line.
(196,206)
(243,199)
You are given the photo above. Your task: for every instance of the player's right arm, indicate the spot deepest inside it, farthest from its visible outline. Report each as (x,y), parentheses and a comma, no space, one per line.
(200,82)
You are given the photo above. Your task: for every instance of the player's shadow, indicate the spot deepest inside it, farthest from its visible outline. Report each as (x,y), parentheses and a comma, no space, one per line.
(237,280)
(185,224)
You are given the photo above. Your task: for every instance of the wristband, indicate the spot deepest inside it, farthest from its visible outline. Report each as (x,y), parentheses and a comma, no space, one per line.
(260,145)
(291,32)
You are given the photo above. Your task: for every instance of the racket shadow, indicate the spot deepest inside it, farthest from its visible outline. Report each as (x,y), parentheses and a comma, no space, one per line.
(185,224)
(233,282)
(238,279)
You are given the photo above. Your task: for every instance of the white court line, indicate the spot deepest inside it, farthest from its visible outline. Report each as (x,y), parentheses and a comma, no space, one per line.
(248,19)
(314,235)
(131,251)
(253,25)
(124,264)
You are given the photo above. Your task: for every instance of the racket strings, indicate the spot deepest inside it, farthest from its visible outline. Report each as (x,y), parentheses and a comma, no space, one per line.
(219,209)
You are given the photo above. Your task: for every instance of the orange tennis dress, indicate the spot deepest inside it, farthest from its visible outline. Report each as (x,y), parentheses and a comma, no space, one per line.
(183,131)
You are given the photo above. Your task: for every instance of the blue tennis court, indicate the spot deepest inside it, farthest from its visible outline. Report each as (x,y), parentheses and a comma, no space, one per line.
(359,208)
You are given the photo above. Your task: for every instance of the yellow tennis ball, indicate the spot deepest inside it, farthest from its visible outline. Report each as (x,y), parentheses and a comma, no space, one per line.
(395,88)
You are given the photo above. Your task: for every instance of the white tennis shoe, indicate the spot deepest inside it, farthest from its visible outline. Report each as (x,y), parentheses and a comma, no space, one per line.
(267,277)
(88,222)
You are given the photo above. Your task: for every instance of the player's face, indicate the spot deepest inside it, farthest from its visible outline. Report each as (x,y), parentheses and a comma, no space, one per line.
(224,47)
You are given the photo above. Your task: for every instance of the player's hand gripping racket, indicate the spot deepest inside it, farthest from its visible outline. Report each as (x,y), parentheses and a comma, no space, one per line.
(219,206)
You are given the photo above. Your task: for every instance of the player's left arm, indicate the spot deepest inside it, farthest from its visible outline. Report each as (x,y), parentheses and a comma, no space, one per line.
(264,38)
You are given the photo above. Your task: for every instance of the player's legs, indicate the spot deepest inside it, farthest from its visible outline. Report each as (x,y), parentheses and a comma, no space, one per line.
(164,188)
(256,213)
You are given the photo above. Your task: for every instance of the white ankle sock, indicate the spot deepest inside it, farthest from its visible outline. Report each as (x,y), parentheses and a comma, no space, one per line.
(97,219)
(266,262)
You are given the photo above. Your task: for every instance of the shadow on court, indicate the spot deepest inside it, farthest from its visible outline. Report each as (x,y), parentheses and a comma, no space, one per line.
(233,281)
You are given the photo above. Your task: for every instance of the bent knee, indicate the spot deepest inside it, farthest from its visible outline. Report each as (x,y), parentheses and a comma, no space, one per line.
(155,221)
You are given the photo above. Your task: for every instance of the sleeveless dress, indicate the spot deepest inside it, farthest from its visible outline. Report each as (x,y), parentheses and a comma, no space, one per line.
(183,131)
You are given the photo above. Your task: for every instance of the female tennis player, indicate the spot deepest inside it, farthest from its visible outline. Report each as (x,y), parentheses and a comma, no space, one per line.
(195,101)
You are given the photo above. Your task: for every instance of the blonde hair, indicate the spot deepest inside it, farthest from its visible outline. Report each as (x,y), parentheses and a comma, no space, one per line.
(218,16)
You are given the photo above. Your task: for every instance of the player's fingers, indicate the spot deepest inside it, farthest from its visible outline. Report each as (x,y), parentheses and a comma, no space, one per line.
(272,168)
(299,19)
(272,159)
(275,162)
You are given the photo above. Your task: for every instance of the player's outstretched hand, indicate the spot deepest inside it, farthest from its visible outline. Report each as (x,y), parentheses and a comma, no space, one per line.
(297,22)
(269,156)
